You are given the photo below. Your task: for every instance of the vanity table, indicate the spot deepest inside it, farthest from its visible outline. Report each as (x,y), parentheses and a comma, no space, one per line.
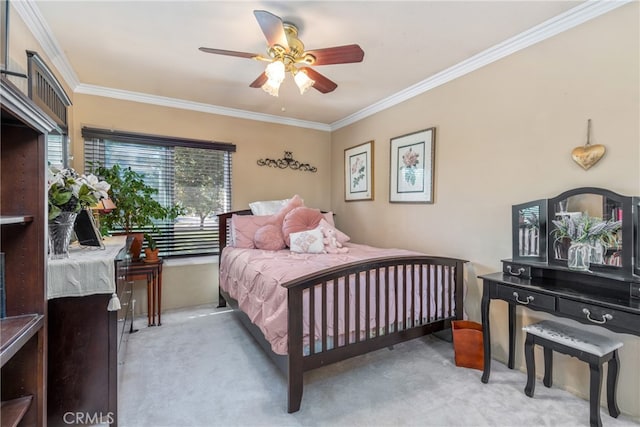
(538,277)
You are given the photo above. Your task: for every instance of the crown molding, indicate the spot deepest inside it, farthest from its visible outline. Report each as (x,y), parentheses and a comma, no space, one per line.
(584,12)
(195,106)
(549,28)
(30,14)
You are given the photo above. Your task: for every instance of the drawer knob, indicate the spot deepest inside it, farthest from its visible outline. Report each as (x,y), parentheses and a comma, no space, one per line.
(515,273)
(527,301)
(605,317)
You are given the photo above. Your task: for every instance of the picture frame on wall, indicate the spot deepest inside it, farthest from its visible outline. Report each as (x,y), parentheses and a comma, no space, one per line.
(412,167)
(358,172)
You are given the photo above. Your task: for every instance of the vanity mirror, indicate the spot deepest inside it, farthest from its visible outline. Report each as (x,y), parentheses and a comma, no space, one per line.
(529,226)
(599,220)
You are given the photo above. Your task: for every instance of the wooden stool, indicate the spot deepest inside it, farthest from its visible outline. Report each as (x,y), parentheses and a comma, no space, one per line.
(589,347)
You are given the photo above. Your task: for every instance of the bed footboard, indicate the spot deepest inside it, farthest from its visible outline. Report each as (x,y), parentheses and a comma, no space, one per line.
(372,305)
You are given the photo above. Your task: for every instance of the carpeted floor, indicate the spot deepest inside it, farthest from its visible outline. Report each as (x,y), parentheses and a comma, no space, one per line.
(201,368)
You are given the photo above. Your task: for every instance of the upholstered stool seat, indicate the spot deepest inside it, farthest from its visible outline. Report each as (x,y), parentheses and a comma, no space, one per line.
(587,346)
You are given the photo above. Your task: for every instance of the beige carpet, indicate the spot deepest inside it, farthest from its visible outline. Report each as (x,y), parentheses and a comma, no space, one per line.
(201,368)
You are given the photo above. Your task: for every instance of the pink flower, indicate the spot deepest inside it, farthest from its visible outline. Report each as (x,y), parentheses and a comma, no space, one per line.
(410,158)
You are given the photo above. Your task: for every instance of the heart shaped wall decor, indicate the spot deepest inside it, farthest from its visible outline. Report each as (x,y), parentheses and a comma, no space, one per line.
(588,155)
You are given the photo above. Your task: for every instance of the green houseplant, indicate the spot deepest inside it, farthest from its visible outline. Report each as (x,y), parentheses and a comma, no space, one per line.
(587,237)
(135,206)
(151,251)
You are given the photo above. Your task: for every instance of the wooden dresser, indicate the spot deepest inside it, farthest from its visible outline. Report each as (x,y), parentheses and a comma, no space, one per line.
(87,340)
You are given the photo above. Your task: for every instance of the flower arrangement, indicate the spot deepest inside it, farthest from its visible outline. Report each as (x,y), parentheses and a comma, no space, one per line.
(69,191)
(586,229)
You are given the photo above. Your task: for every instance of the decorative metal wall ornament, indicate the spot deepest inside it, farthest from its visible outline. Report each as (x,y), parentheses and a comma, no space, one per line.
(287,162)
(588,155)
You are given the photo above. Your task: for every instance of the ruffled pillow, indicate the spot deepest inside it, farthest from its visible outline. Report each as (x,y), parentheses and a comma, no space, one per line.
(269,237)
(295,202)
(300,219)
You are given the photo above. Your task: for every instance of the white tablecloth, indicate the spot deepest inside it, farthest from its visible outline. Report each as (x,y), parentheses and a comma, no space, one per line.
(87,271)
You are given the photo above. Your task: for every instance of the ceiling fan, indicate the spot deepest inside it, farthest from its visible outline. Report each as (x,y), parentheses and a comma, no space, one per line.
(286,54)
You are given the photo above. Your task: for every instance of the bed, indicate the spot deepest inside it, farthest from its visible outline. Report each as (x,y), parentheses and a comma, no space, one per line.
(290,302)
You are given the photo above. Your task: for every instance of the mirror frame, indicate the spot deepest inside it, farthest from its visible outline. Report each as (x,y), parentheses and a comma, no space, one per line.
(627,251)
(515,230)
(636,235)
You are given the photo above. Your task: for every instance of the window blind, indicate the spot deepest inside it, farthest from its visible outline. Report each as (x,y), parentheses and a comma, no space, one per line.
(196,174)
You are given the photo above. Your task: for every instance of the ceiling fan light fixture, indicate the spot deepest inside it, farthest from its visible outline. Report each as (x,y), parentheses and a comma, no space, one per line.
(275,74)
(303,81)
(275,71)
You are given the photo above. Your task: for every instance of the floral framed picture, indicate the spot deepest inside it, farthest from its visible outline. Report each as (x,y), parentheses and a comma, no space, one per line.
(412,159)
(358,172)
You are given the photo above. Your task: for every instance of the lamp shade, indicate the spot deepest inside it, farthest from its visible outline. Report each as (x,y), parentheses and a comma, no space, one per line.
(104,205)
(275,74)
(303,81)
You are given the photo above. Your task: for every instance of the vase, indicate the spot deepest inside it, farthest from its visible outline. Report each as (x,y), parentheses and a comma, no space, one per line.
(578,256)
(60,230)
(596,253)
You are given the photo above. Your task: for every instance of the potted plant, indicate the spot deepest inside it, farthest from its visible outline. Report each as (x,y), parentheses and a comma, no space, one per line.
(135,206)
(68,193)
(587,237)
(151,251)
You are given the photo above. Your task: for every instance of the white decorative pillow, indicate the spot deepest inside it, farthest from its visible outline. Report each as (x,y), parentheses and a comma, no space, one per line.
(307,242)
(267,207)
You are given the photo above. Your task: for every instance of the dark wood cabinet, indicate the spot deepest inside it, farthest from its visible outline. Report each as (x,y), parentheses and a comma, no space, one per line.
(86,347)
(23,221)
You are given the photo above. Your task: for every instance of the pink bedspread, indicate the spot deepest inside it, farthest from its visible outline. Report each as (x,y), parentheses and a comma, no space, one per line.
(253,278)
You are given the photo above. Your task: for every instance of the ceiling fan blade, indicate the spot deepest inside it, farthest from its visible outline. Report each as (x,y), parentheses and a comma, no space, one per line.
(271,26)
(262,79)
(229,52)
(322,84)
(337,55)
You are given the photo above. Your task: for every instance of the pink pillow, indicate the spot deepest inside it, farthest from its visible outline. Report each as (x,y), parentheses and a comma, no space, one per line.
(244,227)
(295,202)
(269,237)
(300,219)
(340,236)
(328,216)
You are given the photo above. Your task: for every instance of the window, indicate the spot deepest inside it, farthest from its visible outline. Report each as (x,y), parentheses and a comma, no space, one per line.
(57,149)
(196,174)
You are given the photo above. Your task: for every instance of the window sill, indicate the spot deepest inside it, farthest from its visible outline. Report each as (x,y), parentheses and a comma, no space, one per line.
(199,260)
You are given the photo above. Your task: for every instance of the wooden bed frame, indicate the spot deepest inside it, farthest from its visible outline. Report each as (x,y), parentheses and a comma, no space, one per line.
(296,362)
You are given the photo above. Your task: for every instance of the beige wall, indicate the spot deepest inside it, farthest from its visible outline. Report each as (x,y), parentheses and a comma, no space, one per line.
(254,140)
(504,136)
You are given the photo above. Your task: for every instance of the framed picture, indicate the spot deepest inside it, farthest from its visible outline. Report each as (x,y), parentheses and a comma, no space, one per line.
(412,158)
(86,230)
(358,172)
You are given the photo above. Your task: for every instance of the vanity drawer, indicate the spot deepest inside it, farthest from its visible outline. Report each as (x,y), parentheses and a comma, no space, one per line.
(599,315)
(527,298)
(517,270)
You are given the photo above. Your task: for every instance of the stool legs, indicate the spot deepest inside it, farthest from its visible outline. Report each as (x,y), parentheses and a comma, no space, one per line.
(595,372)
(612,381)
(548,367)
(531,366)
(595,384)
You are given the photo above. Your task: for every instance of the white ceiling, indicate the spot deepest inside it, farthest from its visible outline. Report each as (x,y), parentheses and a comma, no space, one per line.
(148,50)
